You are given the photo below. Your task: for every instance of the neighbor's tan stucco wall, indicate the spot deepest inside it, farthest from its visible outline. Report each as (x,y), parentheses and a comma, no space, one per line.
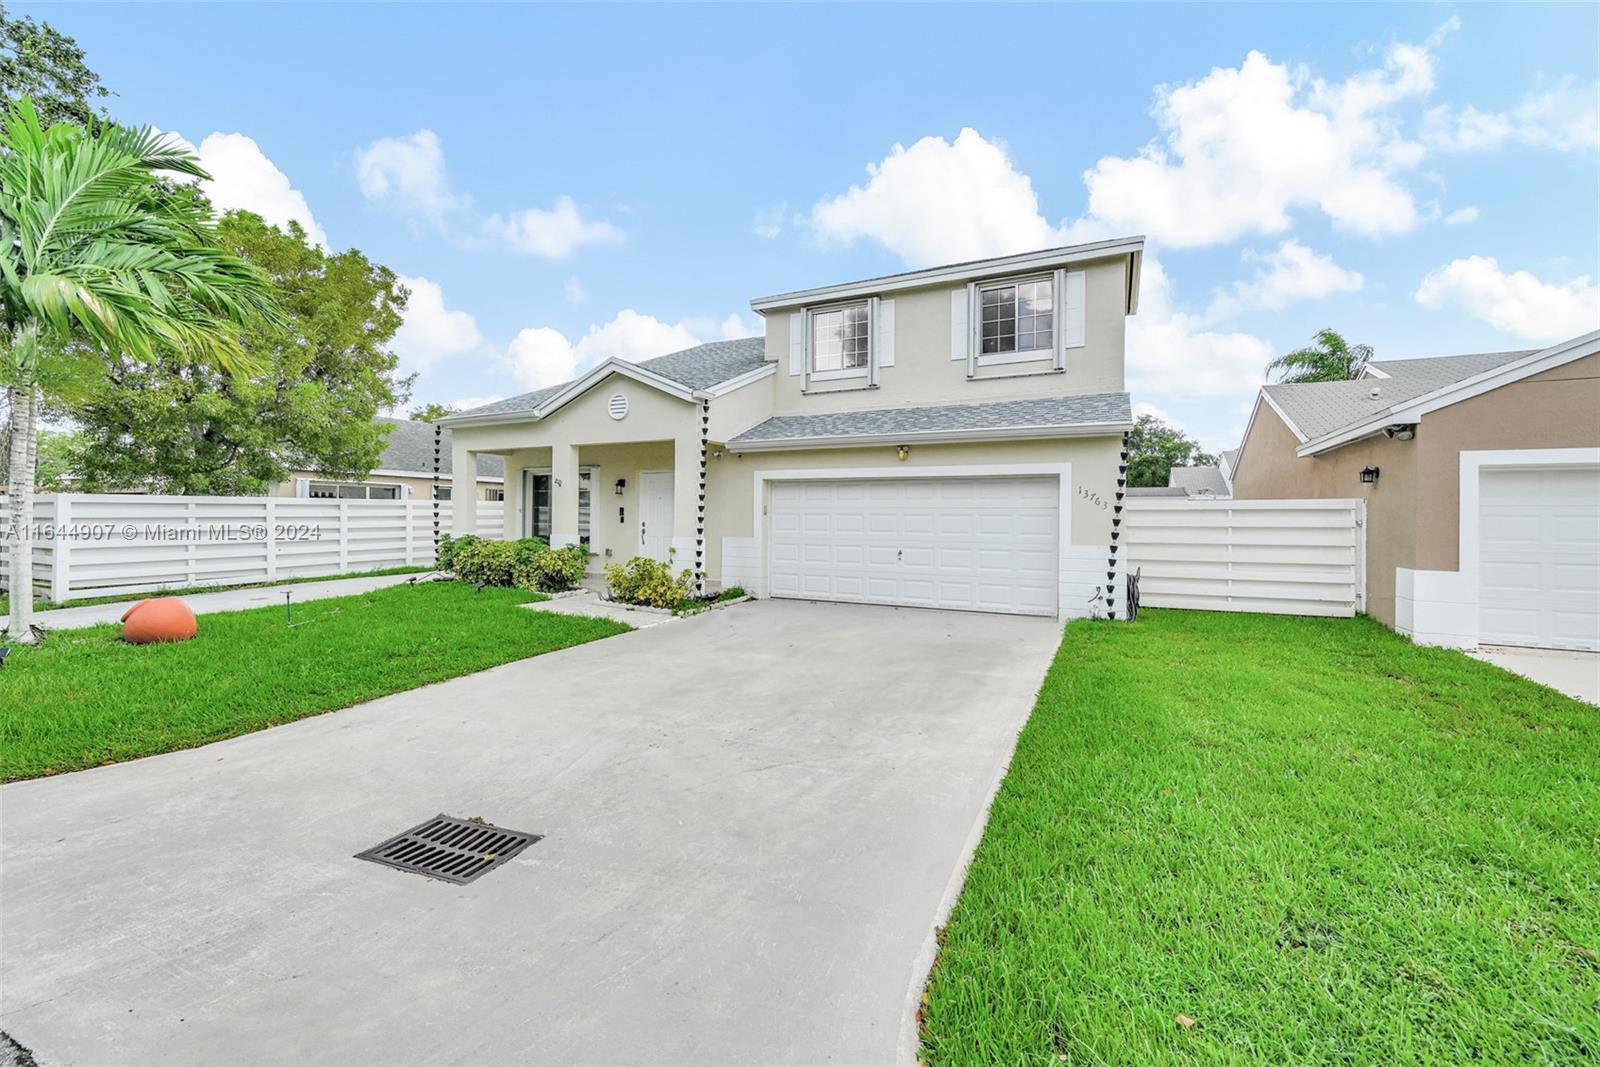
(421,488)
(731,480)
(1414,509)
(924,373)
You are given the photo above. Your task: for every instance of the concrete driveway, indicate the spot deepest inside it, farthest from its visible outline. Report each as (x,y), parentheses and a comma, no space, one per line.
(753,820)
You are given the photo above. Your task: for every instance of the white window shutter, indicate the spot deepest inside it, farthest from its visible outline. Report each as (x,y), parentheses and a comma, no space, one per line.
(1072,319)
(960,332)
(797,336)
(405,492)
(885,338)
(302,487)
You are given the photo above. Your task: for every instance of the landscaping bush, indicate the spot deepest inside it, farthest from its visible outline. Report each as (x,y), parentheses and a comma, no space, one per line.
(493,562)
(449,546)
(552,570)
(647,582)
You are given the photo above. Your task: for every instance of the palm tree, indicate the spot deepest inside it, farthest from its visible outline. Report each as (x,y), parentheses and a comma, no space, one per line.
(97,256)
(1329,359)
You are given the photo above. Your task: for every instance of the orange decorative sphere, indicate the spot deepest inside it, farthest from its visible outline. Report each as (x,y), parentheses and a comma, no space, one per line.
(163,618)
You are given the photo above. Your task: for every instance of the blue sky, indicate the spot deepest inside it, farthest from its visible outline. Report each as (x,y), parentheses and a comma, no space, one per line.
(566,184)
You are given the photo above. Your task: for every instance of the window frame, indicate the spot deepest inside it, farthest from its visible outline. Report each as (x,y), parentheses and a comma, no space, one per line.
(365,487)
(1031,355)
(812,374)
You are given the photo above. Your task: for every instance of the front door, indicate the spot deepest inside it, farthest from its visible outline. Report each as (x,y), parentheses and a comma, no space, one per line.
(655,515)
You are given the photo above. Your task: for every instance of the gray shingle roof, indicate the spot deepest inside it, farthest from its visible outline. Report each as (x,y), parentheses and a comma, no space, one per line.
(1043,412)
(700,367)
(410,448)
(1154,490)
(1197,480)
(1321,408)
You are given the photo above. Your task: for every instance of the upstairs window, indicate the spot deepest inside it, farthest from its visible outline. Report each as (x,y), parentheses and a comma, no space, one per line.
(1017,318)
(840,339)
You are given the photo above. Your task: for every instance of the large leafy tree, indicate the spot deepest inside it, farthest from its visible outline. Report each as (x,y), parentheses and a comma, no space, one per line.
(1154,448)
(179,423)
(96,262)
(39,62)
(431,412)
(1329,358)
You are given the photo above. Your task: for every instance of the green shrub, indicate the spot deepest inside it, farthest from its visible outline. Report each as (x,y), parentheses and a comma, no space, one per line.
(552,570)
(648,582)
(493,562)
(450,545)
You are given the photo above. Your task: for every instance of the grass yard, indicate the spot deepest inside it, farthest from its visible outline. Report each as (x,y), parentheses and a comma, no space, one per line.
(1316,841)
(46,605)
(85,698)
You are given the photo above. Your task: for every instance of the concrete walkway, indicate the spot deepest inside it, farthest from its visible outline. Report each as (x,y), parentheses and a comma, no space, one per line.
(1576,674)
(225,600)
(753,820)
(587,602)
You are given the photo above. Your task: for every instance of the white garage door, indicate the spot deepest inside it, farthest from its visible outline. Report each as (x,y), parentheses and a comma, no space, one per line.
(1539,557)
(969,544)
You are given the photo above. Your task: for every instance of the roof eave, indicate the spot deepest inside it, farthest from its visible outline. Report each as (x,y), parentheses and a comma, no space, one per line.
(1005,433)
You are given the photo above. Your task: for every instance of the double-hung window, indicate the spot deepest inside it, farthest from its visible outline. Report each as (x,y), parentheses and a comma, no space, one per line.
(841,341)
(1016,321)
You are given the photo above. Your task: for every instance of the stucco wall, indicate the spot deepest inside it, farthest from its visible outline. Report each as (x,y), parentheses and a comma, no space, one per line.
(421,488)
(924,373)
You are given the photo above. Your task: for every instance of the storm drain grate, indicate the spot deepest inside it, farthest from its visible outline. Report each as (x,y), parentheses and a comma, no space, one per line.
(450,849)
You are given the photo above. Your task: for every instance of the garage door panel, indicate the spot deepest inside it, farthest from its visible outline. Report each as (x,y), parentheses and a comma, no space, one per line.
(1539,557)
(984,544)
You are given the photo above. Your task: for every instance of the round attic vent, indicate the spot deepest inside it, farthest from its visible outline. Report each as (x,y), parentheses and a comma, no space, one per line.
(617,406)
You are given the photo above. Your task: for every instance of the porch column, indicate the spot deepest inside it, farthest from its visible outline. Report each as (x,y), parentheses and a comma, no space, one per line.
(685,501)
(511,525)
(463,489)
(563,495)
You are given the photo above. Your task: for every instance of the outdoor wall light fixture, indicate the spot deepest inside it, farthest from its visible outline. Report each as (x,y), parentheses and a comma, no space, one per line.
(1401,431)
(1369,475)
(904,452)
(622,483)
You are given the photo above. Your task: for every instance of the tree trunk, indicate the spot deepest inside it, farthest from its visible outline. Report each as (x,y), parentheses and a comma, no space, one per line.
(24,454)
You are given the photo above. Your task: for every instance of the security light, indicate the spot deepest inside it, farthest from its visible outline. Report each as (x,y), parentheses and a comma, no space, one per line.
(1369,475)
(622,483)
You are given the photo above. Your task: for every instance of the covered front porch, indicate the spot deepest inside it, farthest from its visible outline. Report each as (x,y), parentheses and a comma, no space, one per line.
(620,499)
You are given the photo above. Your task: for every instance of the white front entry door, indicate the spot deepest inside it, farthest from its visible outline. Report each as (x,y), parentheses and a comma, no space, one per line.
(968,544)
(1539,557)
(655,515)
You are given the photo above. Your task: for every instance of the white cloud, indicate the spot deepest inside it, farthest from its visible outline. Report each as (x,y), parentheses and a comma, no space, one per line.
(1173,353)
(1461,216)
(940,201)
(1243,147)
(768,222)
(1143,408)
(734,327)
(1517,303)
(408,174)
(243,178)
(1287,275)
(1565,117)
(553,234)
(574,291)
(541,356)
(430,330)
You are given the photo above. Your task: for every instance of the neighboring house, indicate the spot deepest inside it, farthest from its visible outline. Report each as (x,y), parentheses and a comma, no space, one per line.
(943,438)
(1481,476)
(405,472)
(1199,481)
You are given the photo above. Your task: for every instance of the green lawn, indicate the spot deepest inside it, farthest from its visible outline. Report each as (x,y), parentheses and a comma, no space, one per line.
(1319,842)
(85,698)
(46,605)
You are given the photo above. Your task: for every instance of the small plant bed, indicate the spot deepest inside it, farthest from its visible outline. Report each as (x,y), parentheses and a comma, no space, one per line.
(194,590)
(1241,839)
(696,604)
(85,698)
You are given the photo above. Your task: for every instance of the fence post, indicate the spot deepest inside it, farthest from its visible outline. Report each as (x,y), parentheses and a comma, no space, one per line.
(272,539)
(344,537)
(405,531)
(60,559)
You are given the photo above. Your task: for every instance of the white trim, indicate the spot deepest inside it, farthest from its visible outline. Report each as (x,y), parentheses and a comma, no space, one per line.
(1370,371)
(958,272)
(766,370)
(577,388)
(996,433)
(1033,355)
(1070,556)
(837,375)
(1410,411)
(1287,421)
(444,476)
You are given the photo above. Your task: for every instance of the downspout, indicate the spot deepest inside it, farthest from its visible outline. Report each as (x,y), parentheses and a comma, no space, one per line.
(700,513)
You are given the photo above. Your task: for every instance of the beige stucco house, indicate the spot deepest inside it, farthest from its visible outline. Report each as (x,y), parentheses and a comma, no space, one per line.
(405,472)
(1481,476)
(948,438)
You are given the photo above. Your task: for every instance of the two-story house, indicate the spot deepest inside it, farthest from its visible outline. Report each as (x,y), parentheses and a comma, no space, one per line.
(945,438)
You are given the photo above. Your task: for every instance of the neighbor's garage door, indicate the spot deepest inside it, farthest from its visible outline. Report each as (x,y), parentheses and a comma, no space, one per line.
(1539,552)
(969,544)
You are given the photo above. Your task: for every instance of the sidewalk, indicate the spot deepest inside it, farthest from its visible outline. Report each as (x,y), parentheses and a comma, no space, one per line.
(225,600)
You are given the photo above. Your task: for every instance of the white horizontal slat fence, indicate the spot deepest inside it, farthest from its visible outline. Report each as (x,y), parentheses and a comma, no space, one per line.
(93,545)
(1281,557)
